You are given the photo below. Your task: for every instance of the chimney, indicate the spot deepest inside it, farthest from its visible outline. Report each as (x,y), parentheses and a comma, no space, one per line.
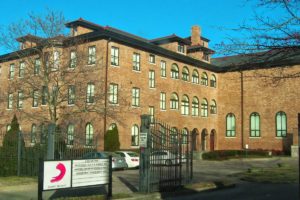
(196,34)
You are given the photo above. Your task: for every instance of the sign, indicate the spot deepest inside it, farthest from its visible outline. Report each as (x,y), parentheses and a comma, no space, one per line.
(90,172)
(143,140)
(57,174)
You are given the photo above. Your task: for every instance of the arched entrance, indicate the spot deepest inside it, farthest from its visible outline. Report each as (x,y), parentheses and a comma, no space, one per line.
(203,140)
(194,139)
(212,139)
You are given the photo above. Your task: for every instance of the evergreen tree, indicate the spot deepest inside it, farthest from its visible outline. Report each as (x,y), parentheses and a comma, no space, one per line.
(111,140)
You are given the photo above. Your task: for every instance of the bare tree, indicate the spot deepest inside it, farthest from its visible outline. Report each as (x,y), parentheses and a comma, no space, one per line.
(272,38)
(57,74)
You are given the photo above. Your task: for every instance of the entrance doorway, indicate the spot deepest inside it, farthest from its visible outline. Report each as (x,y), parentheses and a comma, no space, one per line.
(212,140)
(203,140)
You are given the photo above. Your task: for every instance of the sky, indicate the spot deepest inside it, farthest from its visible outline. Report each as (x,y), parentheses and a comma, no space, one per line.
(146,18)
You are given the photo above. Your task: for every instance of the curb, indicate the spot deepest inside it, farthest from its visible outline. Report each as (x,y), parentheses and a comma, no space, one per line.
(183,192)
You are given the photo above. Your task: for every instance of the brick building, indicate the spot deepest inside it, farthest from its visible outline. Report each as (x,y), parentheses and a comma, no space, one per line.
(171,78)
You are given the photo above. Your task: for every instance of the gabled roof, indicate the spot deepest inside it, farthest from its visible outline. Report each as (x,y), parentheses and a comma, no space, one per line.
(29,37)
(202,38)
(199,47)
(169,39)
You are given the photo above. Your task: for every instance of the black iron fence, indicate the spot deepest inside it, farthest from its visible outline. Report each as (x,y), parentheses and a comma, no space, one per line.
(21,156)
(166,162)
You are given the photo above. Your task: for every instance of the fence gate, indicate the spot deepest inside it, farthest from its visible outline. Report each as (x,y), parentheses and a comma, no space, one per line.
(166,156)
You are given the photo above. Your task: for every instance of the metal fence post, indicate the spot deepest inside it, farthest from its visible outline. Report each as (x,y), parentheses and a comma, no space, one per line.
(109,194)
(51,142)
(144,182)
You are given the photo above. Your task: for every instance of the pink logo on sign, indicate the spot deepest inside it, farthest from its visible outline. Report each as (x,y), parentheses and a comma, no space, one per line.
(62,173)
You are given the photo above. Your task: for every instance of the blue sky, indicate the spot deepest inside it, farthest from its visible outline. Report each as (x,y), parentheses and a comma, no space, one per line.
(146,18)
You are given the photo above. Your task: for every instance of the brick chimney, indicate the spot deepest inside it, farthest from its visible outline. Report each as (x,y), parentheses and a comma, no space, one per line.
(196,33)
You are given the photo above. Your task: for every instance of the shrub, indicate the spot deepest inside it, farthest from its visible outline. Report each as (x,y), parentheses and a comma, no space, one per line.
(111,140)
(226,154)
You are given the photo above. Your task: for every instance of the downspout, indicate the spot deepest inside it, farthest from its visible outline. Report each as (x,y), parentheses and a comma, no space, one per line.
(242,109)
(105,87)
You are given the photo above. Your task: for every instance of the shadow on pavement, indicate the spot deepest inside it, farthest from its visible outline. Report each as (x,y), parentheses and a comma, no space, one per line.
(128,184)
(78,192)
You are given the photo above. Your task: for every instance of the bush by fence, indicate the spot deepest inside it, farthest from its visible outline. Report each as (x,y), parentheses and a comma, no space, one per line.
(227,154)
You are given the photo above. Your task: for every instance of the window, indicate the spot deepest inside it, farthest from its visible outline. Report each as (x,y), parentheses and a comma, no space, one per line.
(162,68)
(173,135)
(136,62)
(73,59)
(135,97)
(206,56)
(184,139)
(195,77)
(71,95)
(43,134)
(112,126)
(185,74)
(90,93)
(213,107)
(89,134)
(35,98)
(11,71)
(204,79)
(20,100)
(174,101)
(230,125)
(44,95)
(134,135)
(174,71)
(180,48)
(46,59)
(281,125)
(70,132)
(55,60)
(204,108)
(213,81)
(195,107)
(10,99)
(151,113)
(152,58)
(8,127)
(21,69)
(185,105)
(113,93)
(151,79)
(163,101)
(114,60)
(33,134)
(254,125)
(92,55)
(37,66)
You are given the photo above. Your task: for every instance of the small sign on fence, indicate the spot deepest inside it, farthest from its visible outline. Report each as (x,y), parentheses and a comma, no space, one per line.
(59,174)
(143,140)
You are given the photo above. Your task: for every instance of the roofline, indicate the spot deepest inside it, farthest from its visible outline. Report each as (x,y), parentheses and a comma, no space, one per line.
(170,38)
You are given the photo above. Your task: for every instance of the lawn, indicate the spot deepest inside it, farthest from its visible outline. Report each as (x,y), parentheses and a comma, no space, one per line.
(16,180)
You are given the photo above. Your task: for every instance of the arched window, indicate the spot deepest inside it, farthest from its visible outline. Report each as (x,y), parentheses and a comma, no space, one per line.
(185,74)
(230,125)
(204,79)
(8,127)
(185,104)
(174,71)
(135,135)
(254,125)
(163,134)
(204,108)
(33,134)
(281,124)
(70,132)
(213,107)
(195,107)
(112,126)
(89,134)
(43,134)
(173,135)
(195,77)
(213,81)
(184,136)
(174,101)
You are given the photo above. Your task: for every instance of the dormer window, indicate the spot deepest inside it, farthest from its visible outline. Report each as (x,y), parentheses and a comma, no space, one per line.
(152,58)
(74,31)
(180,48)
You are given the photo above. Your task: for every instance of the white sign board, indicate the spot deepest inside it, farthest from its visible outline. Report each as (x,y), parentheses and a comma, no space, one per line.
(57,174)
(90,172)
(143,140)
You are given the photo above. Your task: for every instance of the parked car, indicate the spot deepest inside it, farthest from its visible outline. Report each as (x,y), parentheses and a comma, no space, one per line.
(165,157)
(132,158)
(118,162)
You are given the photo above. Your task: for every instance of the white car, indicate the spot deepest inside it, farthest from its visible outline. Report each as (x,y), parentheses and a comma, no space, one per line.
(132,158)
(165,157)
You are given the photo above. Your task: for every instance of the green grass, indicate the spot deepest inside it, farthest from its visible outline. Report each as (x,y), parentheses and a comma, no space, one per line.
(281,173)
(16,180)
